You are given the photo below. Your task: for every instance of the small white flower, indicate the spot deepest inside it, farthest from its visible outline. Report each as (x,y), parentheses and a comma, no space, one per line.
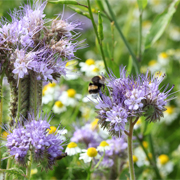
(103,146)
(89,154)
(163,59)
(165,166)
(72,149)
(59,107)
(70,97)
(170,114)
(92,67)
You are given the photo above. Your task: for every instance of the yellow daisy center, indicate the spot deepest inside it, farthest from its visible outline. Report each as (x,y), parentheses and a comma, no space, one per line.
(164,55)
(95,69)
(90,62)
(103,144)
(152,63)
(45,89)
(138,122)
(59,104)
(4,135)
(52,130)
(71,93)
(94,124)
(92,152)
(72,145)
(135,159)
(163,158)
(145,144)
(158,74)
(52,84)
(170,109)
(34,171)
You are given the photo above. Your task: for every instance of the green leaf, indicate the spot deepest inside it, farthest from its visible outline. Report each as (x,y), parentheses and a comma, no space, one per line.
(80,12)
(130,65)
(100,5)
(142,4)
(100,27)
(149,128)
(64,2)
(159,24)
(14,171)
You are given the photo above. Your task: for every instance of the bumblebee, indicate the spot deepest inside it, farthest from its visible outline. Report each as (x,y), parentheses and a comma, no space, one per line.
(63,155)
(96,85)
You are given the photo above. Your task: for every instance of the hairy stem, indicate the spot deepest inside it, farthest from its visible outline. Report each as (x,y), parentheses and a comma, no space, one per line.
(1,110)
(28,169)
(130,151)
(89,171)
(19,100)
(8,167)
(96,32)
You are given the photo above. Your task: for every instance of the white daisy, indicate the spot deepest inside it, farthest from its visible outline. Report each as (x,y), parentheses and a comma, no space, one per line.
(170,114)
(70,97)
(165,166)
(89,154)
(58,107)
(103,146)
(163,59)
(92,67)
(72,149)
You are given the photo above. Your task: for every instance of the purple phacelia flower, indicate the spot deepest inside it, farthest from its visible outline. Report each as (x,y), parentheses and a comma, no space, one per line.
(34,136)
(131,97)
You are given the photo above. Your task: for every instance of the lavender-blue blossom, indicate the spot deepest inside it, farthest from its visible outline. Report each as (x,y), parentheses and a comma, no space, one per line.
(131,97)
(34,137)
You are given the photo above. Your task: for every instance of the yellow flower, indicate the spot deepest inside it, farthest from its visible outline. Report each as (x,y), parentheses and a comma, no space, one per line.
(34,171)
(92,152)
(163,158)
(59,104)
(71,93)
(145,144)
(72,145)
(94,124)
(4,135)
(52,130)
(170,109)
(90,62)
(163,55)
(135,159)
(152,63)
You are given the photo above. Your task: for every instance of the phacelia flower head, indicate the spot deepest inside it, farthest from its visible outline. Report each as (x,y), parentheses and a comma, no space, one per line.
(29,46)
(131,97)
(34,136)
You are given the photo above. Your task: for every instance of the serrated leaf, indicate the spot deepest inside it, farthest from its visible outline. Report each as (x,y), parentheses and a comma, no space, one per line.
(142,4)
(64,1)
(14,171)
(159,24)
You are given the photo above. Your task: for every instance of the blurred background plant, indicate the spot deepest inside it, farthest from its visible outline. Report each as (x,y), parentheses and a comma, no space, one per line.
(153,33)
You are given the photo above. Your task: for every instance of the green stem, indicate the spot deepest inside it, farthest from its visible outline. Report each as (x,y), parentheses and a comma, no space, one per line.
(130,154)
(19,100)
(8,167)
(89,171)
(1,110)
(154,157)
(35,98)
(28,170)
(149,159)
(135,62)
(140,37)
(96,32)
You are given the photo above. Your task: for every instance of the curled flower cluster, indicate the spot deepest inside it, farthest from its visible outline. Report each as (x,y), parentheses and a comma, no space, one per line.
(27,45)
(131,97)
(35,137)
